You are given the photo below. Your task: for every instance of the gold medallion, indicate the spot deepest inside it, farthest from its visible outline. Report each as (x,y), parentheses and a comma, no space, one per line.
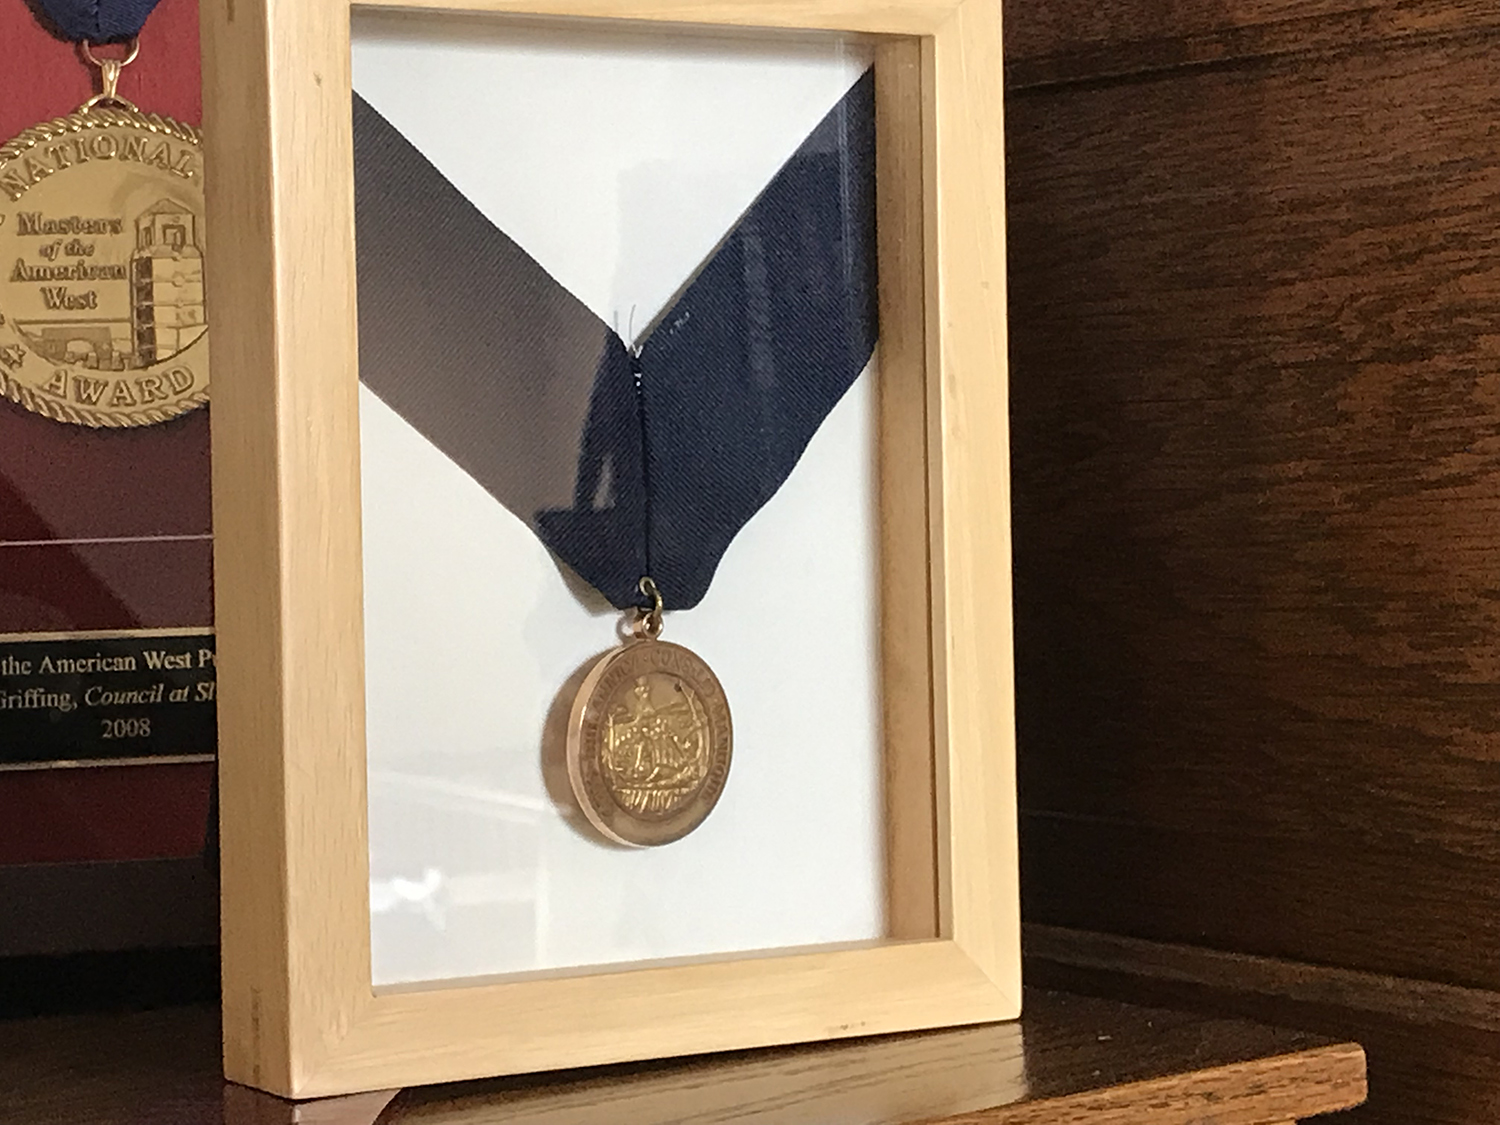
(649,743)
(101,267)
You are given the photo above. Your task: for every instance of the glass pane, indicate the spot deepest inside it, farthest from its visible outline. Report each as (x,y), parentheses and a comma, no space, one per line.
(618,160)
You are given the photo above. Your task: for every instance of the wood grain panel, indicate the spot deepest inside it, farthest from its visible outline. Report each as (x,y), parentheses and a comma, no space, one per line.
(1413,911)
(1418,1002)
(901,17)
(1074,40)
(1427,1066)
(1257,472)
(906,634)
(1070,1060)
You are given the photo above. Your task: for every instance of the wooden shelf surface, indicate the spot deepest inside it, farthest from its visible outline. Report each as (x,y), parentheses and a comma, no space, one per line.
(1069,1059)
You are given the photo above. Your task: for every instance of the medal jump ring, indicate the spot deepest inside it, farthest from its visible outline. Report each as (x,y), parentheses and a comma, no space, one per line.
(132,49)
(648,624)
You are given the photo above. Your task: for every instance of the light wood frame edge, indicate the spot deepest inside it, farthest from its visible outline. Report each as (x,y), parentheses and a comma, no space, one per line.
(300,1017)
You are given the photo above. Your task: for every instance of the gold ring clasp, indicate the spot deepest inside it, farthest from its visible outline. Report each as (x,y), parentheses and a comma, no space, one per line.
(109,75)
(648,622)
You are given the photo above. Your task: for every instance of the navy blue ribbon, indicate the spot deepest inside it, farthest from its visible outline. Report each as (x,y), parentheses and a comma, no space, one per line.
(625,464)
(97,21)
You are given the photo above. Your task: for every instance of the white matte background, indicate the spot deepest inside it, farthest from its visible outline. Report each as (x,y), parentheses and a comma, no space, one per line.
(619,159)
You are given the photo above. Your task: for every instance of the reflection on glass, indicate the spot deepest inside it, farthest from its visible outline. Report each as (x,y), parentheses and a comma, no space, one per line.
(504,406)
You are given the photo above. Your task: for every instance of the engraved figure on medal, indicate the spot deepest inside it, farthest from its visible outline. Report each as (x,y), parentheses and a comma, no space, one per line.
(655,751)
(102,318)
(649,738)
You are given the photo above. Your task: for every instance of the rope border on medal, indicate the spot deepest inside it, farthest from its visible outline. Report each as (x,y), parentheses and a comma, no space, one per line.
(96,117)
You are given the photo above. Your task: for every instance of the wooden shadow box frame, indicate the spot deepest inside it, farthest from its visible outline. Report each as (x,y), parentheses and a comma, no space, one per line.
(301,1018)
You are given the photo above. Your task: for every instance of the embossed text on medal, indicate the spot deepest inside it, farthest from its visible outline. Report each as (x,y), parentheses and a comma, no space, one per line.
(650,743)
(102,320)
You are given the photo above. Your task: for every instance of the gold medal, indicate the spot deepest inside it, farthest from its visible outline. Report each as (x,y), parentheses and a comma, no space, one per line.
(649,738)
(101,265)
